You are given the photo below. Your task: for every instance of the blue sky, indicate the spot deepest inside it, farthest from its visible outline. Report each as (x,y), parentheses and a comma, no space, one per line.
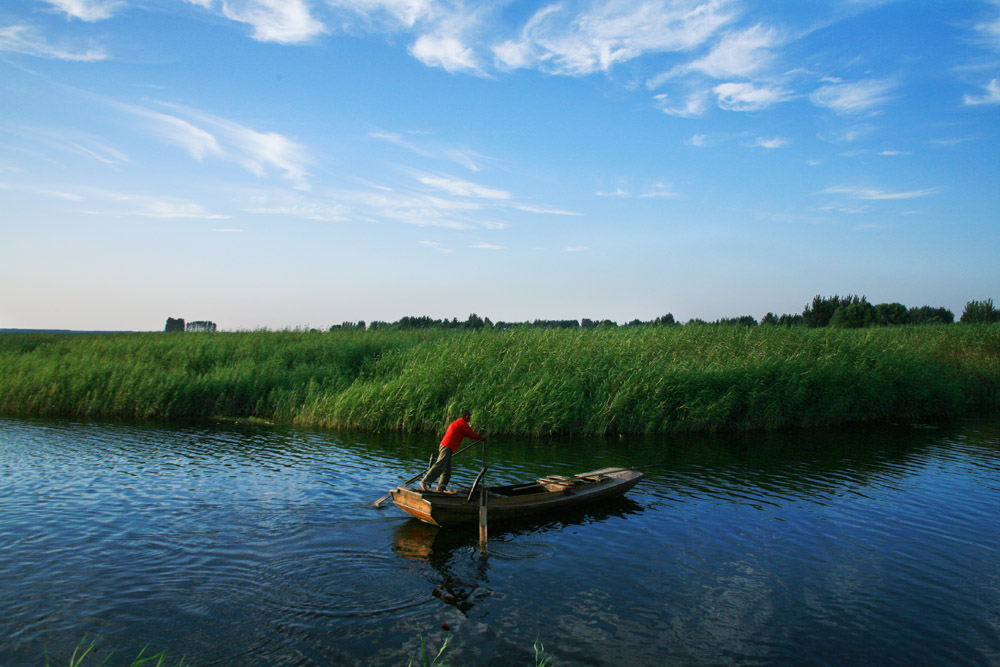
(300,163)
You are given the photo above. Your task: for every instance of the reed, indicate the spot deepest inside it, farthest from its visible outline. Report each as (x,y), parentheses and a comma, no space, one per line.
(520,381)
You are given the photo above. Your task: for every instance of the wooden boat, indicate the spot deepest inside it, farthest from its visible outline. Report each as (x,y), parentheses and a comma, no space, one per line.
(516,501)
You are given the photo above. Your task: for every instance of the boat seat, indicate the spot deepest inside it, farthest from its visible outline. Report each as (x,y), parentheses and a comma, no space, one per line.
(560,480)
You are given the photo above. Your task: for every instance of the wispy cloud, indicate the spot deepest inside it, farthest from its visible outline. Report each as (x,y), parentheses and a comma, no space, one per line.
(748,97)
(461,188)
(178,210)
(694,105)
(51,194)
(203,135)
(876,194)
(738,53)
(773,142)
(991,96)
(532,208)
(448,52)
(434,245)
(619,192)
(600,35)
(853,98)
(660,190)
(100,152)
(281,21)
(486,246)
(26,40)
(87,10)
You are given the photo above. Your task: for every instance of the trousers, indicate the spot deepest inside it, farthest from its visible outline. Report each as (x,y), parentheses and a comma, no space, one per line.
(441,468)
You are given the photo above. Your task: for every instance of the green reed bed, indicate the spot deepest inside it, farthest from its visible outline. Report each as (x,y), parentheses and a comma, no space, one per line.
(523,381)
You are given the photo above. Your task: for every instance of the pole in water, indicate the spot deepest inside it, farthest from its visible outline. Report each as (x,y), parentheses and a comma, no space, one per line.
(482,505)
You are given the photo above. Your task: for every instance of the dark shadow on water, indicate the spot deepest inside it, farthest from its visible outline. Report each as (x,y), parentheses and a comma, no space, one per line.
(460,576)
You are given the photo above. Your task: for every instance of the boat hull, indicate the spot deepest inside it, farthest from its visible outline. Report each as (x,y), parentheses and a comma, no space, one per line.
(506,503)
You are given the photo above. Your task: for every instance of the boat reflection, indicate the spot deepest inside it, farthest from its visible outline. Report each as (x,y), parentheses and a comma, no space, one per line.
(460,572)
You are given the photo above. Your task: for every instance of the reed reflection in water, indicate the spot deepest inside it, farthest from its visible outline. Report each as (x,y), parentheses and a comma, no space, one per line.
(242,544)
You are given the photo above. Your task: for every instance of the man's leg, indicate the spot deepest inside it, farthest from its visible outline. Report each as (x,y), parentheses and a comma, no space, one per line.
(440,466)
(446,475)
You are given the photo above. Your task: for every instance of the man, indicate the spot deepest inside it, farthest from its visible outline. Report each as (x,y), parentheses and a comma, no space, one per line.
(457,431)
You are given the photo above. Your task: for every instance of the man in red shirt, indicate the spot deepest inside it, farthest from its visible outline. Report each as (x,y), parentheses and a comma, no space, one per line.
(457,431)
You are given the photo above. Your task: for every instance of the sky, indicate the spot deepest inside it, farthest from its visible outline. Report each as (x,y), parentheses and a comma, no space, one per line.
(302,163)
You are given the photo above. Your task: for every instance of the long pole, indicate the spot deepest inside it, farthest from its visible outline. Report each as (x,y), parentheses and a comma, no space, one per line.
(483,506)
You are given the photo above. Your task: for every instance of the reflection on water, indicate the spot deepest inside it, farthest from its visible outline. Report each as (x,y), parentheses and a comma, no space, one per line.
(460,568)
(258,545)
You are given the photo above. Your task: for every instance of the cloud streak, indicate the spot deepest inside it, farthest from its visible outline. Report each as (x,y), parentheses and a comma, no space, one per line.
(27,41)
(876,194)
(204,135)
(853,98)
(990,97)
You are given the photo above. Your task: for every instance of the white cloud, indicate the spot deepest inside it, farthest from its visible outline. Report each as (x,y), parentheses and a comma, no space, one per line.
(853,98)
(990,30)
(774,142)
(87,10)
(486,246)
(196,141)
(660,190)
(603,34)
(281,21)
(992,95)
(875,194)
(445,51)
(699,140)
(461,188)
(695,104)
(203,135)
(619,192)
(168,209)
(531,208)
(434,245)
(738,53)
(747,97)
(26,40)
(104,154)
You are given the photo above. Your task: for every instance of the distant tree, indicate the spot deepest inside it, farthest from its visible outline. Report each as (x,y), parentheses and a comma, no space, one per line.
(666,320)
(855,315)
(475,322)
(979,312)
(744,321)
(200,325)
(587,323)
(930,315)
(821,311)
(891,314)
(787,320)
(174,324)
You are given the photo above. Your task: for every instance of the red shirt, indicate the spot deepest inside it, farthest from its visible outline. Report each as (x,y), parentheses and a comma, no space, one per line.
(458,430)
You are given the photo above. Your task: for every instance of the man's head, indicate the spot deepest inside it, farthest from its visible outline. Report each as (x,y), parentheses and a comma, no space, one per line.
(466,415)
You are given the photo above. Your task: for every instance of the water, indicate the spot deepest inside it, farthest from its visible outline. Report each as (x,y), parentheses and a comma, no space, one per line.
(231,544)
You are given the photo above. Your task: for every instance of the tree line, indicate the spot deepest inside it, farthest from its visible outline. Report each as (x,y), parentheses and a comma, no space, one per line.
(851,312)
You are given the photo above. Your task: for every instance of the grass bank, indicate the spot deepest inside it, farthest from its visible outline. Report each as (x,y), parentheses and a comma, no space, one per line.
(522,381)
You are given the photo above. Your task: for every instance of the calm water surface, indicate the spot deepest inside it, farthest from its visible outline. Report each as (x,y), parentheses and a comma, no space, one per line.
(230,544)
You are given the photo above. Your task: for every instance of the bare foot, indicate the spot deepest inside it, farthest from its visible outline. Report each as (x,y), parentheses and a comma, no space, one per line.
(423,487)
(446,491)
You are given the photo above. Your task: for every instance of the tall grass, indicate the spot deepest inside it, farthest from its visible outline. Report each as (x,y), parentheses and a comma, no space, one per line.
(523,381)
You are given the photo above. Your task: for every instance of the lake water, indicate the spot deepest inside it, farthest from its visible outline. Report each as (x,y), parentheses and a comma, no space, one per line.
(230,544)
